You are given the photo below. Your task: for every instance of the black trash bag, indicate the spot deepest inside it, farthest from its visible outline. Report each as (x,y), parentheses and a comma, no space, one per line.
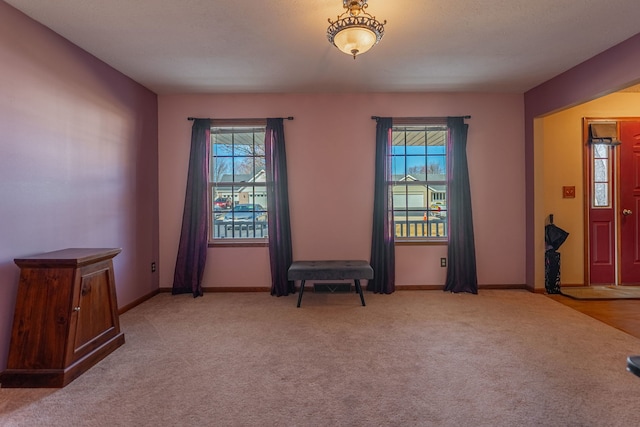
(552,271)
(554,236)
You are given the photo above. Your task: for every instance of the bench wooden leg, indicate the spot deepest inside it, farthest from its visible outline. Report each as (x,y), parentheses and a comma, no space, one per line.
(301,291)
(359,290)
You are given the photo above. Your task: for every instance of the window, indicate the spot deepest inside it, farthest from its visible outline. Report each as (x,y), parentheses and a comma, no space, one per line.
(419,182)
(237,184)
(601,175)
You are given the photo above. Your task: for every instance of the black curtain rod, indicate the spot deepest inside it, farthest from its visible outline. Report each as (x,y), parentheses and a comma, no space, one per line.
(464,117)
(198,118)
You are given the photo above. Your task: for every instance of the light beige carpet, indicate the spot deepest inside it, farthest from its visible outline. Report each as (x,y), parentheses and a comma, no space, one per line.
(412,358)
(602,292)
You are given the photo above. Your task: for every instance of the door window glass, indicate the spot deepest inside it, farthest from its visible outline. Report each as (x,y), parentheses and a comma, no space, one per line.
(601,176)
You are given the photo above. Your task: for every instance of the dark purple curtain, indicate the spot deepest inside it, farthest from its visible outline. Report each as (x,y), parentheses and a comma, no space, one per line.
(280,251)
(192,251)
(382,240)
(461,272)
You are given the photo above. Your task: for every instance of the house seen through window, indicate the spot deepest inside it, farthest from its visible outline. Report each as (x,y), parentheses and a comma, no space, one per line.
(237,184)
(419,182)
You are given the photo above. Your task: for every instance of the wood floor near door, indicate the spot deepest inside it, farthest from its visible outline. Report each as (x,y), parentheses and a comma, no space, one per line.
(621,314)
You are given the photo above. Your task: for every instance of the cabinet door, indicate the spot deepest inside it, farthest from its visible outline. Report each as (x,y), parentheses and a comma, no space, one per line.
(41,319)
(95,317)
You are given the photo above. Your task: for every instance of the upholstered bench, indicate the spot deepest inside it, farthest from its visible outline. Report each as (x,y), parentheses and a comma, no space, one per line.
(330,270)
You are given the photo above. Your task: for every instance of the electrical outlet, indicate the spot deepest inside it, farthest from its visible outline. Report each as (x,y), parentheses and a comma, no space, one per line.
(153,267)
(569,192)
(443,262)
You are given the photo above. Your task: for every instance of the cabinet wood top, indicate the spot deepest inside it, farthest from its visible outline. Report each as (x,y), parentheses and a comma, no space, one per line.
(68,257)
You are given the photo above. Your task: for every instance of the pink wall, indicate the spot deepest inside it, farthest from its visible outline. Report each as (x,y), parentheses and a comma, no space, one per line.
(78,160)
(330,156)
(611,70)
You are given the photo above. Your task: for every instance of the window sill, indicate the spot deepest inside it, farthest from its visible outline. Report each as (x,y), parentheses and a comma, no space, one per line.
(239,244)
(399,242)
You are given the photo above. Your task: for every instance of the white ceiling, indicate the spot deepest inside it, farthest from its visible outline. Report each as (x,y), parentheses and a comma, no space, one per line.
(207,46)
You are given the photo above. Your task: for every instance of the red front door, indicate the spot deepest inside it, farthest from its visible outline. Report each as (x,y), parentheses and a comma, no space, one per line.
(629,207)
(614,207)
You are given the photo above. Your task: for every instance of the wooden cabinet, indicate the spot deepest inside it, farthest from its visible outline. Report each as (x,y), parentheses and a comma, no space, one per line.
(66,317)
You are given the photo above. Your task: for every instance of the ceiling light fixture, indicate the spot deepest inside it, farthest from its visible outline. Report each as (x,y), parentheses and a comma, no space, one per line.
(355,31)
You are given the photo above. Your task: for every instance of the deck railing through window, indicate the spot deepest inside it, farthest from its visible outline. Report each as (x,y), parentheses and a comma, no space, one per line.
(259,229)
(250,230)
(421,228)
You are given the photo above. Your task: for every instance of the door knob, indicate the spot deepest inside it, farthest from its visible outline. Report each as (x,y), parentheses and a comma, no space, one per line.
(626,212)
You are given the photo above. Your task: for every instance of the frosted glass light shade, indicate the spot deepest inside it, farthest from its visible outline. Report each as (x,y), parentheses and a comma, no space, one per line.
(355,40)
